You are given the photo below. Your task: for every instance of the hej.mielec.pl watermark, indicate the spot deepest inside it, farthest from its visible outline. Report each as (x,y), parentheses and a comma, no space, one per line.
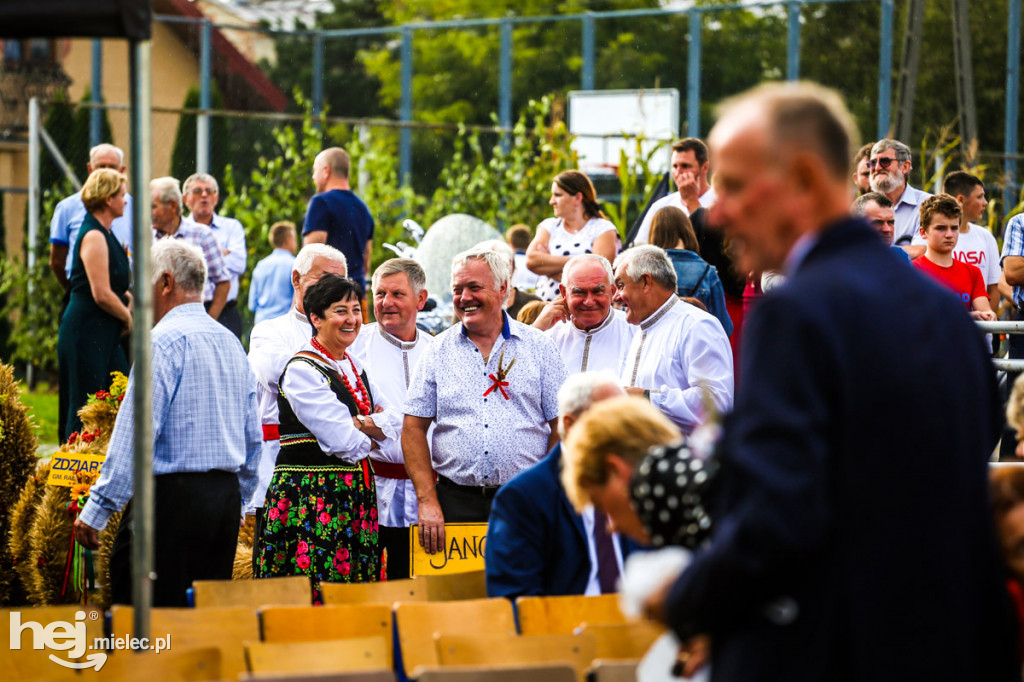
(71,637)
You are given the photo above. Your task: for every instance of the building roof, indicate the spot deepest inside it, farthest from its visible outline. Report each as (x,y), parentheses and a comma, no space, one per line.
(243,85)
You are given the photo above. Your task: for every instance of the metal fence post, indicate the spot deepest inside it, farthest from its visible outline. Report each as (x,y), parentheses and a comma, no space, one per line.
(885,70)
(318,78)
(405,144)
(1012,105)
(505,83)
(693,75)
(96,94)
(588,52)
(793,41)
(142,315)
(33,205)
(203,119)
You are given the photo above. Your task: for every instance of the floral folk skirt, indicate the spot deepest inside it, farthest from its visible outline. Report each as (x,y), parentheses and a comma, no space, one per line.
(322,522)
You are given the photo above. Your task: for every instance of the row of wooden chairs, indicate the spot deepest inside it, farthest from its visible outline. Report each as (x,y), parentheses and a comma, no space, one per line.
(295,590)
(293,639)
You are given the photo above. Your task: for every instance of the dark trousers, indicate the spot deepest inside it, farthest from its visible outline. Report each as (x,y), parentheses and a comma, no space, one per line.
(464,504)
(396,542)
(230,317)
(195,531)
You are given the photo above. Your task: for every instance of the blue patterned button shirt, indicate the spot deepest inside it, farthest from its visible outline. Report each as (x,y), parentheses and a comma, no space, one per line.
(1013,245)
(204,412)
(483,440)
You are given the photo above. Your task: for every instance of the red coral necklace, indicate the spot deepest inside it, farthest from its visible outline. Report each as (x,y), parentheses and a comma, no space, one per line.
(362,398)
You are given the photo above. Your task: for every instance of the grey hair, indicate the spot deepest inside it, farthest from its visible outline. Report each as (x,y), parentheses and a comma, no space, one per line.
(501,247)
(200,177)
(167,191)
(106,147)
(577,393)
(648,260)
(308,253)
(184,261)
(576,261)
(499,264)
(393,266)
(860,204)
(902,150)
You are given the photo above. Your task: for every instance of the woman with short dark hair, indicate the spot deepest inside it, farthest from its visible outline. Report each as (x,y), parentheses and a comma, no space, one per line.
(321,506)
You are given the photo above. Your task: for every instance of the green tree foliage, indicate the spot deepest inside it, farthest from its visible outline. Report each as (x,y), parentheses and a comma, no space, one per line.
(59,125)
(183,154)
(32,297)
(79,156)
(349,89)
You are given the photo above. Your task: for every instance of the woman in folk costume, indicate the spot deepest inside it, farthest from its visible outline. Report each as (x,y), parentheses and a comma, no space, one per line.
(322,504)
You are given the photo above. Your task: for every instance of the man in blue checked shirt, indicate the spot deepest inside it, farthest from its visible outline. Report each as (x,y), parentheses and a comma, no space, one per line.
(1012,262)
(206,441)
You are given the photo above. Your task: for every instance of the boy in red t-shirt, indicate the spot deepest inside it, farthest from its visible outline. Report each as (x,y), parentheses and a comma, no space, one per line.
(940,228)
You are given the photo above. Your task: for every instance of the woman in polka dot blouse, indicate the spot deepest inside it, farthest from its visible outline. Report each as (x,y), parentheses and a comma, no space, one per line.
(579,226)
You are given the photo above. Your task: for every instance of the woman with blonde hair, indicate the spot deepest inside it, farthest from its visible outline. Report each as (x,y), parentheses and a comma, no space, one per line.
(99,308)
(579,226)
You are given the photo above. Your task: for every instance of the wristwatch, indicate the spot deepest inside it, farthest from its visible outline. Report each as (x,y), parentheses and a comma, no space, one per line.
(362,421)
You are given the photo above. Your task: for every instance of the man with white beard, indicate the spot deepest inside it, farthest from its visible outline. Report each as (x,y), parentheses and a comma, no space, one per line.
(890,167)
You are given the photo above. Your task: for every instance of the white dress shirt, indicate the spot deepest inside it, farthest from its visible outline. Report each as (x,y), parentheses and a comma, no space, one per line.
(391,363)
(908,215)
(315,404)
(593,587)
(230,237)
(603,347)
(643,235)
(271,344)
(677,353)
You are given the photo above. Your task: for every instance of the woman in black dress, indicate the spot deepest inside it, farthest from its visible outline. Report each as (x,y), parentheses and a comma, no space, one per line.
(99,309)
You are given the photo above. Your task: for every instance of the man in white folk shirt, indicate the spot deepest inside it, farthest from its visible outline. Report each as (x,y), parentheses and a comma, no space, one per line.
(389,350)
(272,343)
(679,352)
(489,385)
(588,332)
(690,168)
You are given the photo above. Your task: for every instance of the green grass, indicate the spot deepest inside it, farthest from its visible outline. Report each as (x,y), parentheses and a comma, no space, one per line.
(42,406)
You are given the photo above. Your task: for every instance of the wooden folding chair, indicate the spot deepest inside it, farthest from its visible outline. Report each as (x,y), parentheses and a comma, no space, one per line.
(28,663)
(326,656)
(313,623)
(623,641)
(500,673)
(562,615)
(374,676)
(417,623)
(180,665)
(294,590)
(226,628)
(613,671)
(575,650)
(412,589)
(456,586)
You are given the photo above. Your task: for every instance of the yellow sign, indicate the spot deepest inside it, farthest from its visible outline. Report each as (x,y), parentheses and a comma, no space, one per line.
(463,550)
(66,464)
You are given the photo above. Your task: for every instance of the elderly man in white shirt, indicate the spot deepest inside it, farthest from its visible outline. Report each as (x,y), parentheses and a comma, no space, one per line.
(680,354)
(273,342)
(588,332)
(489,385)
(690,173)
(389,350)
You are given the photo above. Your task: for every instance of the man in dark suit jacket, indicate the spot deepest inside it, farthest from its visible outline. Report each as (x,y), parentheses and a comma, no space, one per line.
(536,542)
(853,537)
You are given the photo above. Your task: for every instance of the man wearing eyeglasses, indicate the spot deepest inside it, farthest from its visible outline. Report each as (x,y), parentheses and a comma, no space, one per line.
(876,209)
(201,195)
(890,167)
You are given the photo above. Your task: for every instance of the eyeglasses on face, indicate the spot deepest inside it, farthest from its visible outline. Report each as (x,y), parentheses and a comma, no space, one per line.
(883,161)
(198,191)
